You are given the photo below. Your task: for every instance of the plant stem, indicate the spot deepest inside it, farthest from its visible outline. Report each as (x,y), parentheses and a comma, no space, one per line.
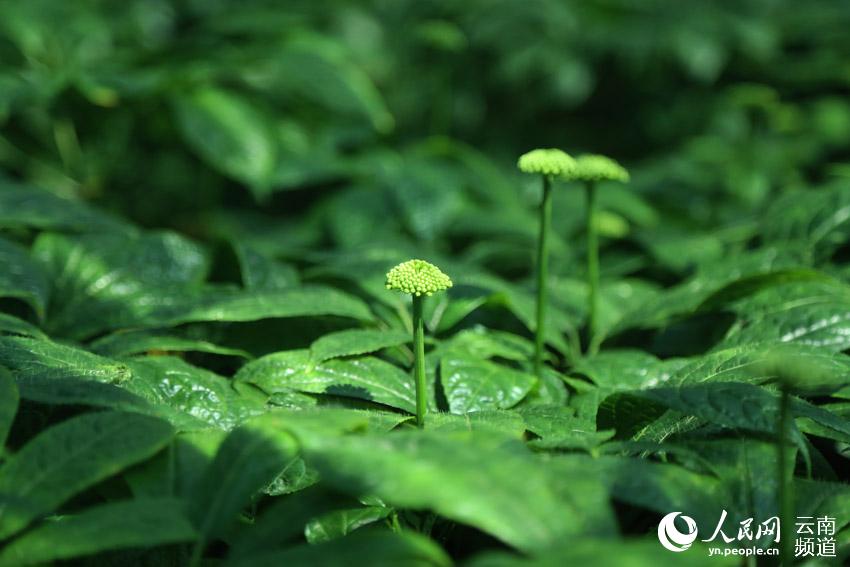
(592,267)
(419,362)
(542,274)
(785,493)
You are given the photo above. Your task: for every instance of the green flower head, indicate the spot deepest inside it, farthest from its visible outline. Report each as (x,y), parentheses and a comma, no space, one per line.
(417,277)
(592,167)
(546,162)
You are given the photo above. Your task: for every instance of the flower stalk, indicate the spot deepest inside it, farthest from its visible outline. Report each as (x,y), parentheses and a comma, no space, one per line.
(542,274)
(419,279)
(591,169)
(547,163)
(592,265)
(419,360)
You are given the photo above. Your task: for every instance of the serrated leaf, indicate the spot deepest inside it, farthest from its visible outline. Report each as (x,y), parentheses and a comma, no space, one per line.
(813,313)
(70,457)
(71,391)
(365,378)
(356,341)
(471,384)
(199,393)
(557,428)
(817,369)
(117,525)
(502,422)
(38,358)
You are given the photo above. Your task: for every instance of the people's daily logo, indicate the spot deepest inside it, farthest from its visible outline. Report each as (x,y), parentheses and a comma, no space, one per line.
(815,535)
(670,536)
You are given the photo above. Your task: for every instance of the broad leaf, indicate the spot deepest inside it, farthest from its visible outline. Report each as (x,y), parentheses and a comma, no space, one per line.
(247,461)
(356,341)
(228,133)
(447,473)
(70,457)
(117,525)
(365,378)
(472,384)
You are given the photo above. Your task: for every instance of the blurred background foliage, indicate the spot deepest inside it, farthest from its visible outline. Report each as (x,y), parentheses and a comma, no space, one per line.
(326,124)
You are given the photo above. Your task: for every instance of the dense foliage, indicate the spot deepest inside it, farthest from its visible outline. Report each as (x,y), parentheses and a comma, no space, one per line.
(199,204)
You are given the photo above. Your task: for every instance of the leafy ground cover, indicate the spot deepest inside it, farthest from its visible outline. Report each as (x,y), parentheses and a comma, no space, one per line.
(201,363)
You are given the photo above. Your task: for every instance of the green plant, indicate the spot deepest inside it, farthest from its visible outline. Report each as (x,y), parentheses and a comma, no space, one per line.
(548,164)
(419,279)
(199,202)
(593,169)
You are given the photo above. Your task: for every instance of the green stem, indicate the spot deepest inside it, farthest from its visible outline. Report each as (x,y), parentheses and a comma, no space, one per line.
(785,493)
(592,267)
(542,274)
(419,362)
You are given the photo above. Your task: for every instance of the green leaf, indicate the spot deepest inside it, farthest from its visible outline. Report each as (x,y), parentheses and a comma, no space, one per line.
(16,326)
(70,391)
(8,404)
(365,378)
(317,68)
(248,460)
(817,218)
(262,272)
(449,474)
(372,548)
(22,278)
(728,278)
(813,313)
(125,343)
(342,522)
(117,525)
(70,457)
(472,384)
(557,428)
(39,358)
(356,341)
(501,422)
(229,134)
(201,394)
(816,369)
(23,206)
(616,370)
(653,486)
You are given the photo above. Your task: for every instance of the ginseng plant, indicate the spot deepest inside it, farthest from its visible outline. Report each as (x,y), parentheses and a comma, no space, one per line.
(593,169)
(420,279)
(548,164)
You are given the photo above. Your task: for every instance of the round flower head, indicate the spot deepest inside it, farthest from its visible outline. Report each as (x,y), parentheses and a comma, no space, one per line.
(546,162)
(593,167)
(417,277)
